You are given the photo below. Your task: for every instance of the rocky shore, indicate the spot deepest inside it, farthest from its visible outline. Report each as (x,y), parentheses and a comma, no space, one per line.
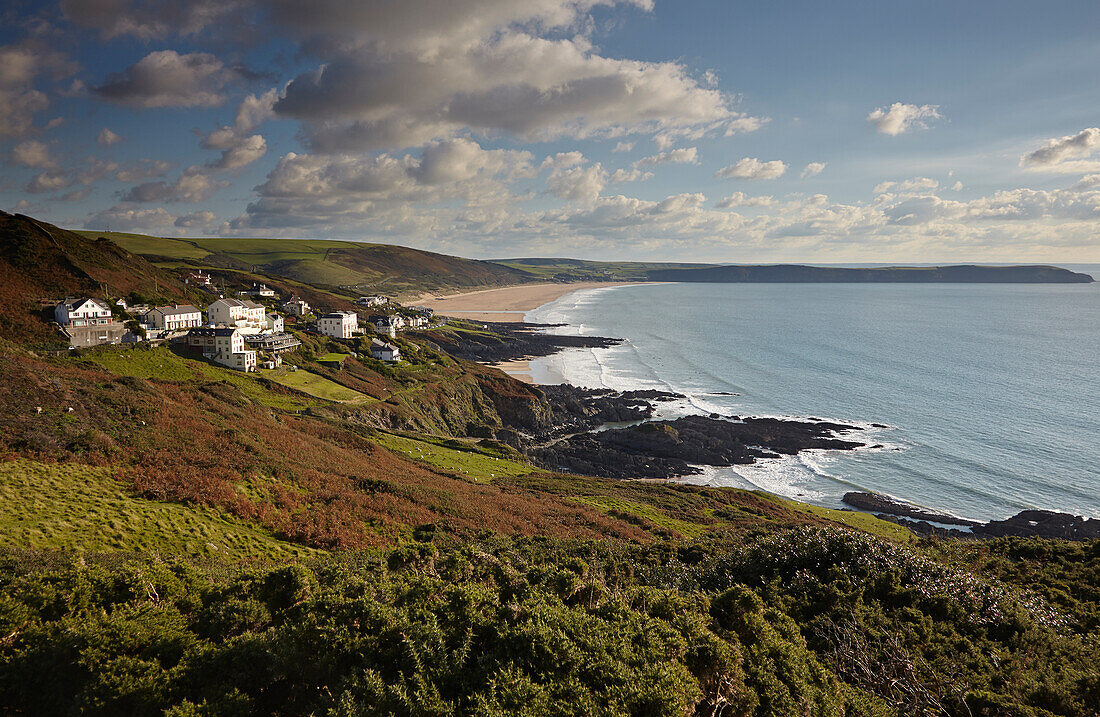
(509,341)
(879,503)
(1026,523)
(668,449)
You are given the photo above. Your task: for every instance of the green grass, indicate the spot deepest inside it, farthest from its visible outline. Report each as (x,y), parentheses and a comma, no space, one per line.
(161,363)
(78,507)
(606,504)
(853,518)
(315,385)
(333,357)
(476,466)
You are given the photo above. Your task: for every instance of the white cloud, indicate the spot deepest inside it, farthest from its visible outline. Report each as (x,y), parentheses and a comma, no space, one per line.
(206,222)
(49,181)
(491,70)
(168,79)
(812,170)
(745,124)
(107,138)
(193,185)
(899,118)
(145,20)
(143,169)
(623,147)
(916,185)
(21,66)
(240,148)
(683,155)
(1057,154)
(629,175)
(1089,181)
(752,168)
(128,219)
(33,154)
(578,184)
(740,199)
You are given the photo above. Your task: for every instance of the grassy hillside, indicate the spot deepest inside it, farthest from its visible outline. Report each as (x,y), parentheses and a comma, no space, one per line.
(41,263)
(581,270)
(77,507)
(382,268)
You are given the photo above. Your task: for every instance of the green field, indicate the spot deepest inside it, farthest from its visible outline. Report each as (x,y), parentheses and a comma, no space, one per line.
(315,385)
(474,465)
(161,363)
(71,506)
(322,263)
(581,270)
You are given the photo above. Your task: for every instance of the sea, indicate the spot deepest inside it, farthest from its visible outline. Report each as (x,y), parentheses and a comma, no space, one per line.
(990,393)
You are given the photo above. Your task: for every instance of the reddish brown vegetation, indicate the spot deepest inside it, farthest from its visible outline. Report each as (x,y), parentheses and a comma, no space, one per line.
(313,481)
(40,261)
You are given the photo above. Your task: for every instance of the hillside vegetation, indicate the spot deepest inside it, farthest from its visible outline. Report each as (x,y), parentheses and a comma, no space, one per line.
(40,263)
(371,268)
(180,539)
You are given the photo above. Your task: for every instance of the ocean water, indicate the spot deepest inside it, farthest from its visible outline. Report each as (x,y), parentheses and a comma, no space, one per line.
(991,393)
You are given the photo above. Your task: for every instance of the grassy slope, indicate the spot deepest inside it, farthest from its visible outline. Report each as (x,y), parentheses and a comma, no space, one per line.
(581,270)
(41,264)
(79,507)
(369,267)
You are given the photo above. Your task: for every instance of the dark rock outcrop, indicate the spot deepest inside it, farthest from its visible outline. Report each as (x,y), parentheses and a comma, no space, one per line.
(666,449)
(879,503)
(509,341)
(1042,524)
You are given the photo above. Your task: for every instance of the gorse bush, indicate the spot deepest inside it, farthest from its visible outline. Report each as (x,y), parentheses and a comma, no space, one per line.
(807,622)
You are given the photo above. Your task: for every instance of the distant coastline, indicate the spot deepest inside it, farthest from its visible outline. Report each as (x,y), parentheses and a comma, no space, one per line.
(798,273)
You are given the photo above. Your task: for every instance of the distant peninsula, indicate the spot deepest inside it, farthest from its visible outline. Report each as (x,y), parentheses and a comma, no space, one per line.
(783,273)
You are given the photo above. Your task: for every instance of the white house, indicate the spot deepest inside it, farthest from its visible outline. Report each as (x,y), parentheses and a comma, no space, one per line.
(174,317)
(261,290)
(247,316)
(418,322)
(296,307)
(339,324)
(383,323)
(384,351)
(224,345)
(377,300)
(197,278)
(274,323)
(82,312)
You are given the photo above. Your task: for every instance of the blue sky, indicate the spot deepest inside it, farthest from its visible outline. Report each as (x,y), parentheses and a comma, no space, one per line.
(632,129)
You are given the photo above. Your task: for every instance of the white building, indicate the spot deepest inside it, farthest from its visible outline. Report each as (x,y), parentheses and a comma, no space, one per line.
(82,312)
(377,300)
(296,307)
(224,345)
(174,317)
(246,316)
(197,278)
(384,351)
(262,290)
(418,322)
(339,324)
(274,323)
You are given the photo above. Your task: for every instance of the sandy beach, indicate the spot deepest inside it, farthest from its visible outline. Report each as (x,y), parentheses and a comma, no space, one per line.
(508,303)
(505,304)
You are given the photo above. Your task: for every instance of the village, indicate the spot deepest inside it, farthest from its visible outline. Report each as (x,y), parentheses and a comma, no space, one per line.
(245,332)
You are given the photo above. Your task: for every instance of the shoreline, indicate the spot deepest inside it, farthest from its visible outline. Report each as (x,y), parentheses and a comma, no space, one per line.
(496,305)
(511,304)
(506,303)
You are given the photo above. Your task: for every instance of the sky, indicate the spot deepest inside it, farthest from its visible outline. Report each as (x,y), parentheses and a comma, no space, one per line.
(695,130)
